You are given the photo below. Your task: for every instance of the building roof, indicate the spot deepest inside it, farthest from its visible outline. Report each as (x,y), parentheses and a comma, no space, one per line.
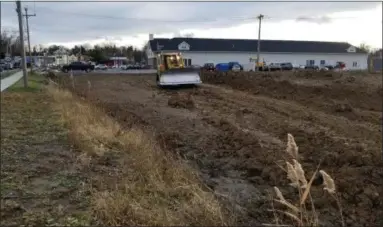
(250,45)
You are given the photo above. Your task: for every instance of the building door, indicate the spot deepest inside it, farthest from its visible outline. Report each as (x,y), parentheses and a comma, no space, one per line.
(187,62)
(152,62)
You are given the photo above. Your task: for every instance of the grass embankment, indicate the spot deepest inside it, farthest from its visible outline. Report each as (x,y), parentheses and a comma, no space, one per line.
(113,177)
(40,184)
(134,182)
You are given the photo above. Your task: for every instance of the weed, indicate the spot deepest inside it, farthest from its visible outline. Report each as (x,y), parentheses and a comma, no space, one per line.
(136,182)
(297,210)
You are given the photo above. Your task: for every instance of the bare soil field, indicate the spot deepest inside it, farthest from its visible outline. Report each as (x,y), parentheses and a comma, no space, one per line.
(233,130)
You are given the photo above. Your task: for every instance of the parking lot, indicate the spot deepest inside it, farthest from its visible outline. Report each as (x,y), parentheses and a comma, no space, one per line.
(129,71)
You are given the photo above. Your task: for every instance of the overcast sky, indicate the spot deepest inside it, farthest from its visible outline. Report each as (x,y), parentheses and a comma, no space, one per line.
(124,23)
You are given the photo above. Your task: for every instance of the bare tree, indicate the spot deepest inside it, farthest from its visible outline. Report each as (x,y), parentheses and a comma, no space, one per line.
(9,43)
(365,47)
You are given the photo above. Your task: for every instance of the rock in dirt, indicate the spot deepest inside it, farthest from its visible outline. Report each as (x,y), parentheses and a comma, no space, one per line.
(343,107)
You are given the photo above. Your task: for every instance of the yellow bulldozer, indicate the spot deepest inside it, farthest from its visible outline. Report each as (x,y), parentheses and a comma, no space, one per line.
(171,71)
(259,66)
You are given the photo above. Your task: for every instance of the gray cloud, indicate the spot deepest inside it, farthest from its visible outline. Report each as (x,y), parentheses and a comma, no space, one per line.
(77,21)
(317,20)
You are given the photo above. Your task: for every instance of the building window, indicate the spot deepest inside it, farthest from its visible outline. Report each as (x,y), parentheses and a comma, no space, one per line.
(310,62)
(322,62)
(355,64)
(187,62)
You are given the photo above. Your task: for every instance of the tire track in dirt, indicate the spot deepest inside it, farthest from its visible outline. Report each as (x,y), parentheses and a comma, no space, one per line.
(265,107)
(236,138)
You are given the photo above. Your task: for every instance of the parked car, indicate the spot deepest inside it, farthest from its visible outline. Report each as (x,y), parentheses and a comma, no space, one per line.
(208,67)
(222,67)
(2,66)
(78,65)
(340,65)
(197,66)
(296,66)
(312,67)
(6,65)
(236,68)
(287,66)
(274,66)
(101,67)
(233,63)
(323,68)
(133,66)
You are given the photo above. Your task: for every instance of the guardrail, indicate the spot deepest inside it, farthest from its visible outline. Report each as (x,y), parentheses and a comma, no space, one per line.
(10,80)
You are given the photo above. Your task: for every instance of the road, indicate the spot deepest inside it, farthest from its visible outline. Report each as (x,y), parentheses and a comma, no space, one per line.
(8,73)
(117,71)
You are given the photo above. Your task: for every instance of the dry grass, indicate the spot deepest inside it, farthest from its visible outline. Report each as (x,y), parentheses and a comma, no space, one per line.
(302,211)
(138,184)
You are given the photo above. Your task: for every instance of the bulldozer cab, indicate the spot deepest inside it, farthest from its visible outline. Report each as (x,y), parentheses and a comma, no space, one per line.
(170,61)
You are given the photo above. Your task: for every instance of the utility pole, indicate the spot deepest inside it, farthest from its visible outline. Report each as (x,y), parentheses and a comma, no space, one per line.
(260,17)
(29,40)
(21,31)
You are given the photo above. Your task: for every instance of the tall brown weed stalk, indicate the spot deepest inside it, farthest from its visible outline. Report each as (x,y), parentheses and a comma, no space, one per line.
(297,210)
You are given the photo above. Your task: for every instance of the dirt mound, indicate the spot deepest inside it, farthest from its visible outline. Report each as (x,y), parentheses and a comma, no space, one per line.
(310,93)
(184,101)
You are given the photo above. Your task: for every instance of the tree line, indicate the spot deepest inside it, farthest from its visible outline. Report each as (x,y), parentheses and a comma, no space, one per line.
(10,44)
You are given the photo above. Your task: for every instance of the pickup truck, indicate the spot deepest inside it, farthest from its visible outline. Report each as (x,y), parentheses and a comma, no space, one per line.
(209,67)
(287,66)
(78,65)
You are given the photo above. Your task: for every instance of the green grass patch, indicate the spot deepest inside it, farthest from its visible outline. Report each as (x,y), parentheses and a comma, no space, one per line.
(35,82)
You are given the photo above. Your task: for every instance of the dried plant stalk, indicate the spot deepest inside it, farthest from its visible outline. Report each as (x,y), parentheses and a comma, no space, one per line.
(300,173)
(328,182)
(292,175)
(292,148)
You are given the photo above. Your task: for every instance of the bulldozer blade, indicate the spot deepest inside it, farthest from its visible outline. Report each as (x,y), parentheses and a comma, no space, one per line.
(180,77)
